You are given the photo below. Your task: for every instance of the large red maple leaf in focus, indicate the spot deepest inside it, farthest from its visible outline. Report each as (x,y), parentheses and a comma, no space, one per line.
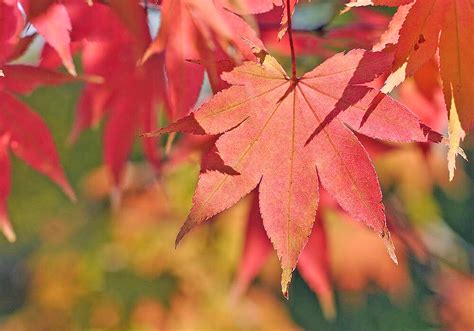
(287,135)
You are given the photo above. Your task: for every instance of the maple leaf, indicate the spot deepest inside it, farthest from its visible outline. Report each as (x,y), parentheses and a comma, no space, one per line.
(55,26)
(194,30)
(22,131)
(129,94)
(313,261)
(52,22)
(25,133)
(419,29)
(286,135)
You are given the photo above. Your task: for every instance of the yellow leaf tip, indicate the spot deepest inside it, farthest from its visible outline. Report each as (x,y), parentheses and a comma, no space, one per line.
(387,240)
(456,135)
(396,78)
(286,276)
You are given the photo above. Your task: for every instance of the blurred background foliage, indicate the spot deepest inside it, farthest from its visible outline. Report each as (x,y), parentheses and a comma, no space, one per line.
(96,265)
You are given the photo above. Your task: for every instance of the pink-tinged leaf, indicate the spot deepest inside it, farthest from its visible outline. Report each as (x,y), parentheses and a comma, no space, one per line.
(265,119)
(313,262)
(364,109)
(55,25)
(288,191)
(31,141)
(350,176)
(5,186)
(314,267)
(255,252)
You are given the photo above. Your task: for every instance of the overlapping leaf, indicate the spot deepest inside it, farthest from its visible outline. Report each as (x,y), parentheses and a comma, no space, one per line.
(197,30)
(128,94)
(421,28)
(22,131)
(313,261)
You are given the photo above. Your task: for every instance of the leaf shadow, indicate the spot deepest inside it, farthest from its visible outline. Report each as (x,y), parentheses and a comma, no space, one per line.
(353,92)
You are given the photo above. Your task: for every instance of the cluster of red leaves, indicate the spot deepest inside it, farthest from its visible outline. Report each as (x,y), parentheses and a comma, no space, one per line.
(281,136)
(22,131)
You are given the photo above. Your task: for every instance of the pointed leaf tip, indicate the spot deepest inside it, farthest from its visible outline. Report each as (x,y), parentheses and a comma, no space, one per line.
(187,226)
(387,240)
(7,229)
(286,276)
(69,191)
(456,135)
(328,306)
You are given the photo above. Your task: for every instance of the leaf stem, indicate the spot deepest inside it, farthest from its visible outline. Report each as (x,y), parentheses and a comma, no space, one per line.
(290,37)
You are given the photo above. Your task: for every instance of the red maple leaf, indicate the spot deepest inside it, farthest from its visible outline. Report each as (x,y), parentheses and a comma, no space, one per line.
(52,22)
(419,29)
(129,94)
(21,130)
(286,135)
(118,60)
(313,262)
(198,30)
